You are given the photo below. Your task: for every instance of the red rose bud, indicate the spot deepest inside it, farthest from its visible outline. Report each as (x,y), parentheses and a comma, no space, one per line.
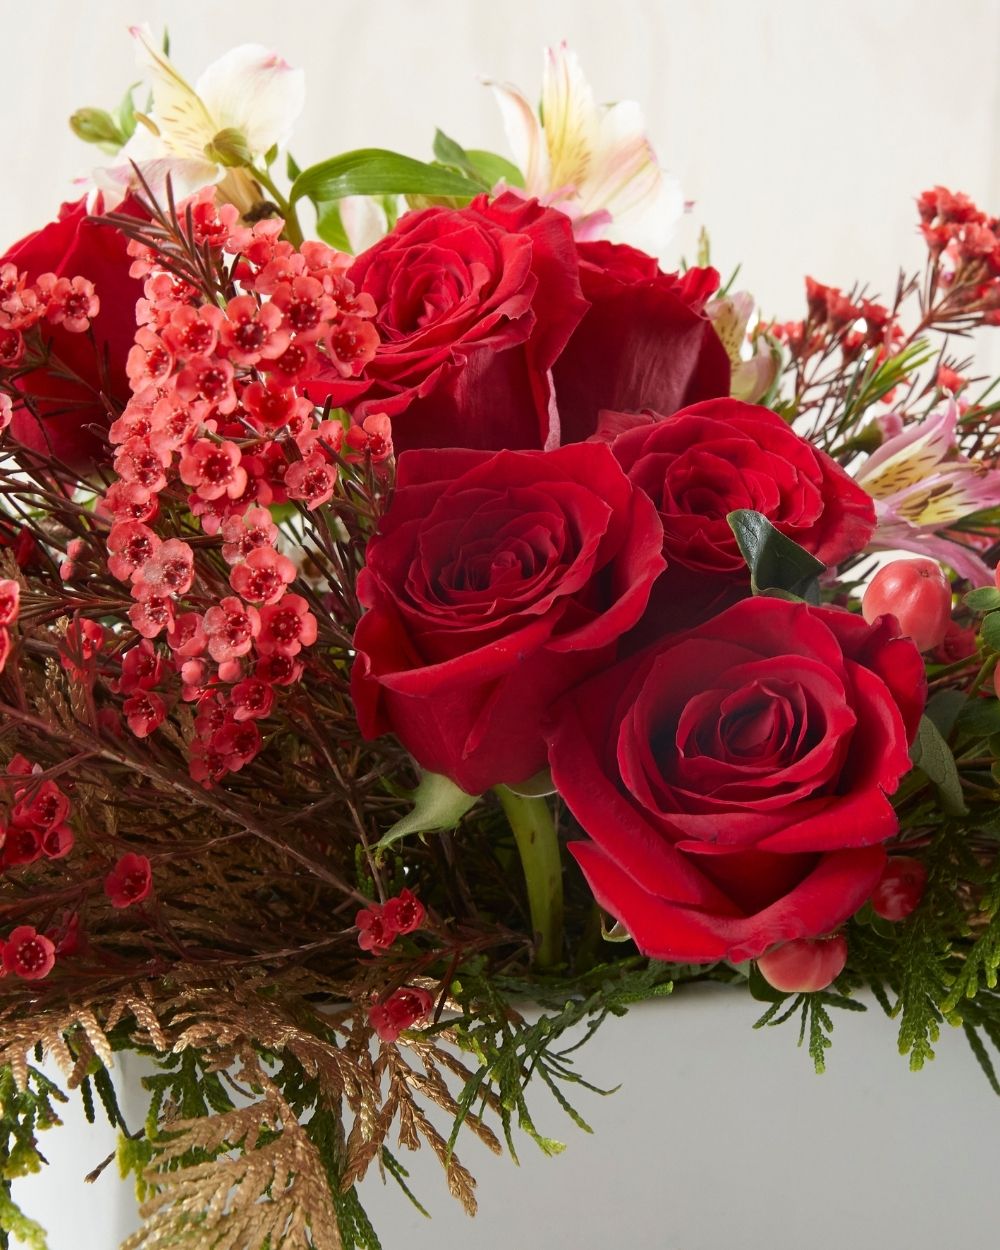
(900,888)
(804,964)
(917,594)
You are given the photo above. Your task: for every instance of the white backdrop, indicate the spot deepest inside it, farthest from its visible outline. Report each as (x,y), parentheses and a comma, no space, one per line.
(802,132)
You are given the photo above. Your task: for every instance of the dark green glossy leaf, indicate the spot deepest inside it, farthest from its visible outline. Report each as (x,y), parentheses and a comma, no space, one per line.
(775,562)
(932,755)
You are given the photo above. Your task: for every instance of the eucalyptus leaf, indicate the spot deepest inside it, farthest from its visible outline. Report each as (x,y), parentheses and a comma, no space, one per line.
(376,171)
(979,718)
(932,755)
(775,562)
(943,709)
(437,804)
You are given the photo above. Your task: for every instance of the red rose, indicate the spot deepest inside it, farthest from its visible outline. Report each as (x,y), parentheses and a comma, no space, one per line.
(715,457)
(67,408)
(644,342)
(733,779)
(496,582)
(474,305)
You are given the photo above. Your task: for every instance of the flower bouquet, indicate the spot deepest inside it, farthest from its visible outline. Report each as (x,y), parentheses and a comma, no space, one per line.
(427,627)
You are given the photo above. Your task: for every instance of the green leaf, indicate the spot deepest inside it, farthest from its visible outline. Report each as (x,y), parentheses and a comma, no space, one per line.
(979,718)
(491,168)
(126,112)
(292,169)
(932,755)
(775,562)
(983,599)
(943,709)
(437,804)
(376,171)
(990,630)
(330,226)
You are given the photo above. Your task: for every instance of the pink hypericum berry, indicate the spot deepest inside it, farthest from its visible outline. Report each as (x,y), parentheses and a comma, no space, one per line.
(263,576)
(900,888)
(403,1009)
(286,627)
(804,965)
(130,881)
(28,954)
(213,469)
(231,628)
(917,593)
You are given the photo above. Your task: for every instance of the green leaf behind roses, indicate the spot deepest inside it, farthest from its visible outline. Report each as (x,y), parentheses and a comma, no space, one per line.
(776,563)
(932,755)
(376,171)
(437,804)
(485,168)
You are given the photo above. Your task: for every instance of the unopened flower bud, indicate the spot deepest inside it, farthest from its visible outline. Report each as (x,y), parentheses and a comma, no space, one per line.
(96,126)
(229,148)
(900,888)
(917,594)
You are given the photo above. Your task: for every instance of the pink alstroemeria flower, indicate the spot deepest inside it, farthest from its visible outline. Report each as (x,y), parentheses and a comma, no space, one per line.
(592,161)
(922,485)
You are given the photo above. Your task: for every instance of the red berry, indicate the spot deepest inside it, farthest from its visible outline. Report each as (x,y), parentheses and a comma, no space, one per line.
(900,888)
(917,594)
(804,964)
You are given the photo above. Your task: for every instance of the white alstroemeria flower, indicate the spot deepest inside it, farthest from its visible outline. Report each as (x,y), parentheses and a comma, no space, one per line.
(592,161)
(245,103)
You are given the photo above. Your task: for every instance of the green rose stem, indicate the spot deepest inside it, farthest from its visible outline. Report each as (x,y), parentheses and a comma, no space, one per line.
(537,844)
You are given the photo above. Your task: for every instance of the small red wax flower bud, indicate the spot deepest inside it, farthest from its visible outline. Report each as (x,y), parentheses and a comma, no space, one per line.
(900,888)
(404,913)
(917,594)
(804,964)
(28,954)
(403,1009)
(130,881)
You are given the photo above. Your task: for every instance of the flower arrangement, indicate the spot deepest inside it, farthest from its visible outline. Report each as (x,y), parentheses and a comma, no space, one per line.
(455,611)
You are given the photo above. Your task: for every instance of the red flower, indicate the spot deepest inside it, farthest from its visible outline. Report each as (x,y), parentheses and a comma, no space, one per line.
(645,341)
(379,926)
(497,581)
(144,712)
(734,779)
(286,626)
(67,410)
(403,1009)
(474,306)
(708,460)
(373,933)
(28,954)
(10,601)
(130,881)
